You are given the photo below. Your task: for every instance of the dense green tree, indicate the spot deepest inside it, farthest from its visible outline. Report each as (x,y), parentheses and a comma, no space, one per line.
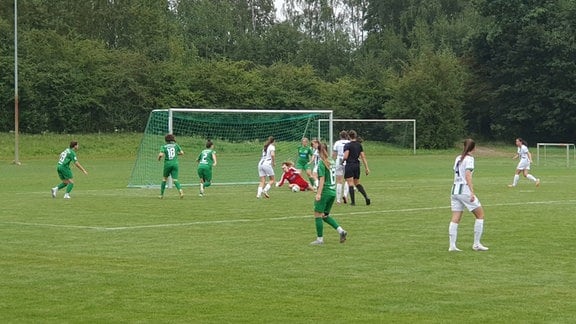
(526,61)
(230,29)
(431,90)
(102,65)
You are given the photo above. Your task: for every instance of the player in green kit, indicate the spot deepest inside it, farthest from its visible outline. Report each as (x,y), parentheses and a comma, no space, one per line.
(169,152)
(325,197)
(206,160)
(64,172)
(304,162)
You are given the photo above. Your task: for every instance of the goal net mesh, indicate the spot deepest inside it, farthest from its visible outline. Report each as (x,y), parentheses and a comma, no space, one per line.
(238,137)
(555,154)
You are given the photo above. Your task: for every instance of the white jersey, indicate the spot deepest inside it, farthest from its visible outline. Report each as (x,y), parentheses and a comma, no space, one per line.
(315,160)
(523,153)
(524,158)
(460,186)
(266,158)
(339,148)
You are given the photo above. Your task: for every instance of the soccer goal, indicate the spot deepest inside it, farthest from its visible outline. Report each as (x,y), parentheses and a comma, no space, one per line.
(238,136)
(553,153)
(399,133)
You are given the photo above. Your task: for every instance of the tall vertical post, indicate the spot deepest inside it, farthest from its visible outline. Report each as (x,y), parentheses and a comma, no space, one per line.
(16,112)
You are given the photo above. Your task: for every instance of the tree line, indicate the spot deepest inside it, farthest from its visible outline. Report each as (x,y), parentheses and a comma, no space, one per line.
(494,69)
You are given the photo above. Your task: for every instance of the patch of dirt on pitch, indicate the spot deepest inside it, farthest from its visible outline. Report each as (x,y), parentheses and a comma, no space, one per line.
(492,152)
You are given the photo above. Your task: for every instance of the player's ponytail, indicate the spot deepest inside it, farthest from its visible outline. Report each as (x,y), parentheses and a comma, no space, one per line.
(268,142)
(523,141)
(323,153)
(469,146)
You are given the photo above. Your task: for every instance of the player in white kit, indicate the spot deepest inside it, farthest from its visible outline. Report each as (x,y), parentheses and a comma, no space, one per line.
(462,196)
(524,164)
(338,155)
(266,168)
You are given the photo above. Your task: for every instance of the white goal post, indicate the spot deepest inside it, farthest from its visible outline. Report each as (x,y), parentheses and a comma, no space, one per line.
(544,147)
(407,132)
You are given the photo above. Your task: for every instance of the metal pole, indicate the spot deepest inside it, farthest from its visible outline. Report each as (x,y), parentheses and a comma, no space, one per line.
(16,112)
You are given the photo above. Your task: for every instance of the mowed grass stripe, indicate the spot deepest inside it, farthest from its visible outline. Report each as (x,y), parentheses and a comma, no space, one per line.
(280,218)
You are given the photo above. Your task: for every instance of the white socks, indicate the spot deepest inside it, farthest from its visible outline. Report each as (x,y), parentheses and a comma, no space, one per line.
(478,229)
(516,178)
(453,233)
(528,176)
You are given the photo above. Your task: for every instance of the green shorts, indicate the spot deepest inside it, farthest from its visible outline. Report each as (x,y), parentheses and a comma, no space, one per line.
(64,173)
(205,174)
(302,165)
(324,205)
(171,170)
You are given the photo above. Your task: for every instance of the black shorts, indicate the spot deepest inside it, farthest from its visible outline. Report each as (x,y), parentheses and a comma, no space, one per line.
(352,170)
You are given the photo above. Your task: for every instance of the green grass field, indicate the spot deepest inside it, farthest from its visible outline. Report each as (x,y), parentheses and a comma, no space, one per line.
(114,254)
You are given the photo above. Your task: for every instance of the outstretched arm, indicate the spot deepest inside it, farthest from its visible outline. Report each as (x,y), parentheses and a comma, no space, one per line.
(281,182)
(79,166)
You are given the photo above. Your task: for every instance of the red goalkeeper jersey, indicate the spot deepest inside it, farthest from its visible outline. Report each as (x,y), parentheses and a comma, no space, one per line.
(293,177)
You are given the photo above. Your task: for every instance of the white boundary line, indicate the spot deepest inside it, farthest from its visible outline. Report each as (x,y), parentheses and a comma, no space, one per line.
(406,210)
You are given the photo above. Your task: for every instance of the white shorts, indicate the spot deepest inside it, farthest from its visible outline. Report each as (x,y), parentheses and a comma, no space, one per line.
(458,202)
(265,170)
(339,168)
(523,165)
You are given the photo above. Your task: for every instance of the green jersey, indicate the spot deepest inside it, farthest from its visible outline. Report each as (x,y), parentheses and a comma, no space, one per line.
(329,178)
(171,151)
(206,158)
(304,154)
(67,156)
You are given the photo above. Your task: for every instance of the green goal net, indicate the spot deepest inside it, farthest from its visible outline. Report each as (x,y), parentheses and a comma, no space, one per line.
(238,137)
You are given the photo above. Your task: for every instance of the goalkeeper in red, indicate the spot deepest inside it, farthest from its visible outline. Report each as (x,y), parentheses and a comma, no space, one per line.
(206,160)
(325,197)
(293,177)
(170,152)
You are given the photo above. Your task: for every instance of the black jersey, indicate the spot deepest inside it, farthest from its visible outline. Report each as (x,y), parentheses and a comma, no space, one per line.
(354,149)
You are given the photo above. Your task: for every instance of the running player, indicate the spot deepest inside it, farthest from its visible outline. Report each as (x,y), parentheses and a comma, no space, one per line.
(524,164)
(266,168)
(64,171)
(325,197)
(170,152)
(206,160)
